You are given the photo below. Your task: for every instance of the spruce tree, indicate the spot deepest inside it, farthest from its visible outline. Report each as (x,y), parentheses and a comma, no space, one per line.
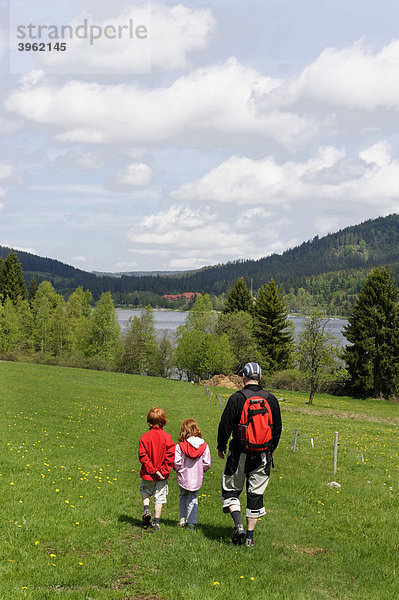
(12,284)
(373,330)
(32,289)
(272,327)
(239,298)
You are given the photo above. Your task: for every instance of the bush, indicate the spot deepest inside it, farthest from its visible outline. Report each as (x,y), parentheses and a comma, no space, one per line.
(288,379)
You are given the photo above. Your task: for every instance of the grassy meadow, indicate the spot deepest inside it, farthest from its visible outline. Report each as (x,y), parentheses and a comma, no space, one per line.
(71,509)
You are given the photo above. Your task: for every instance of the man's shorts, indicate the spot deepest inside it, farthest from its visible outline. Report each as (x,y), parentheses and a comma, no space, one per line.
(158,489)
(241,467)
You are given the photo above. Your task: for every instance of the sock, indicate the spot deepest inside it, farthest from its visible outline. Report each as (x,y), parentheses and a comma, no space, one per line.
(156,521)
(236,516)
(250,535)
(147,510)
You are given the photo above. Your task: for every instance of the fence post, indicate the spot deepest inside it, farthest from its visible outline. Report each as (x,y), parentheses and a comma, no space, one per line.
(295,440)
(335,452)
(206,389)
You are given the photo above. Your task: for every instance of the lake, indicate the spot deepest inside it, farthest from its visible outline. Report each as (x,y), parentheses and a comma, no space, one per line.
(170,319)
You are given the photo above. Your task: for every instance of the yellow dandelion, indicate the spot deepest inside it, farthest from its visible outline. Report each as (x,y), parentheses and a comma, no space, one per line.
(37,543)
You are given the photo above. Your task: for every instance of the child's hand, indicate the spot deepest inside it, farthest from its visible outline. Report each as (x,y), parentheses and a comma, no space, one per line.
(159,475)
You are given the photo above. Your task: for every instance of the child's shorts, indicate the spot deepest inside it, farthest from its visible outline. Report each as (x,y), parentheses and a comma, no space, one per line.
(158,489)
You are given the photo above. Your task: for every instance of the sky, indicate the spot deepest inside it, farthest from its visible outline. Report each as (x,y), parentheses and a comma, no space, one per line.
(171,136)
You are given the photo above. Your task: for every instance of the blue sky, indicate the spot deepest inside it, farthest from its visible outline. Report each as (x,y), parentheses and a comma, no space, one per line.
(258,125)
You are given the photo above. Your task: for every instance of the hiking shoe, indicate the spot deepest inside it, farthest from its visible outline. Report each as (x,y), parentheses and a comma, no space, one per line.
(238,535)
(155,526)
(191,527)
(249,542)
(182,522)
(146,519)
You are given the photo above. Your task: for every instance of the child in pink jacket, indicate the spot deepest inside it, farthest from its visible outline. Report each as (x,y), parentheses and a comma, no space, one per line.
(192,459)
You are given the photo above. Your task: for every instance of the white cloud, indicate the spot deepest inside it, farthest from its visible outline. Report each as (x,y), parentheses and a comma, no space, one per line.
(352,77)
(243,181)
(380,154)
(32,78)
(20,248)
(135,175)
(215,102)
(79,259)
(123,264)
(6,171)
(371,178)
(188,231)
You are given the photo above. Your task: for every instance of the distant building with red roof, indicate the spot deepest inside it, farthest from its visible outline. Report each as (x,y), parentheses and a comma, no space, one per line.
(186,295)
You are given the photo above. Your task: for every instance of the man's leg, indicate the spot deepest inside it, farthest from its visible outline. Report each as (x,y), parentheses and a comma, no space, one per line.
(232,485)
(257,481)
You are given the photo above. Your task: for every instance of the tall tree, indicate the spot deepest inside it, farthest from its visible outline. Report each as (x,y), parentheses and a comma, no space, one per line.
(373,330)
(316,353)
(32,289)
(104,331)
(272,327)
(12,284)
(139,345)
(202,316)
(239,328)
(200,351)
(239,298)
(9,327)
(59,328)
(43,306)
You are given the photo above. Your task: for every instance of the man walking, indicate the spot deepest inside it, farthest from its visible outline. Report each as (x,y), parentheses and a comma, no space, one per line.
(241,463)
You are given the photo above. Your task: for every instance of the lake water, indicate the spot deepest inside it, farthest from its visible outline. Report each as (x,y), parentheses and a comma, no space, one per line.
(170,319)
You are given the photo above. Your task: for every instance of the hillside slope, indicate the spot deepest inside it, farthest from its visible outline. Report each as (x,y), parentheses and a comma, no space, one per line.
(355,249)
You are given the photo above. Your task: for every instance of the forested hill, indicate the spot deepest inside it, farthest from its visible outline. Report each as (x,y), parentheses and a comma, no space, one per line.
(354,249)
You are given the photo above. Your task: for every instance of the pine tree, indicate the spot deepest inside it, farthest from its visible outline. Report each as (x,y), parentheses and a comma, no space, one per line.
(272,328)
(9,327)
(239,298)
(32,289)
(12,284)
(373,330)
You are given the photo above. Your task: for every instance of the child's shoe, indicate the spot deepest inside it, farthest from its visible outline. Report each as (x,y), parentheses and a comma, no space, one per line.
(155,526)
(249,542)
(146,518)
(182,522)
(191,527)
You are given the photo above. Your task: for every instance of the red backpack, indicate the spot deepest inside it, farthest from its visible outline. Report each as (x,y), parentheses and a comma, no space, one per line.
(256,422)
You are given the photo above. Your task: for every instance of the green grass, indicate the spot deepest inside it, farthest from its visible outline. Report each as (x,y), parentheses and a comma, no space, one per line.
(71,508)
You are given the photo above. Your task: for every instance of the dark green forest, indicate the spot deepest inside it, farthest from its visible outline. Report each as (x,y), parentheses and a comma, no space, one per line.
(326,272)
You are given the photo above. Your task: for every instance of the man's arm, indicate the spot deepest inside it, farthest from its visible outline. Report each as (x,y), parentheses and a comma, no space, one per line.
(277,425)
(228,422)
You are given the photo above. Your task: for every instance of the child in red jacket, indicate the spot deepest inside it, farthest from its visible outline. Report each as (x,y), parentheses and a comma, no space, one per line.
(156,454)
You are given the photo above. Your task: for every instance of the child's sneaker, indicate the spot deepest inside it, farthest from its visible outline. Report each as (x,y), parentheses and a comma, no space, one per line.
(249,542)
(182,522)
(191,527)
(155,526)
(238,535)
(146,518)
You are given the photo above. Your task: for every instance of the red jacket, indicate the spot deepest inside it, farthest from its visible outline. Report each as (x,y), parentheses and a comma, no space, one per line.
(156,453)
